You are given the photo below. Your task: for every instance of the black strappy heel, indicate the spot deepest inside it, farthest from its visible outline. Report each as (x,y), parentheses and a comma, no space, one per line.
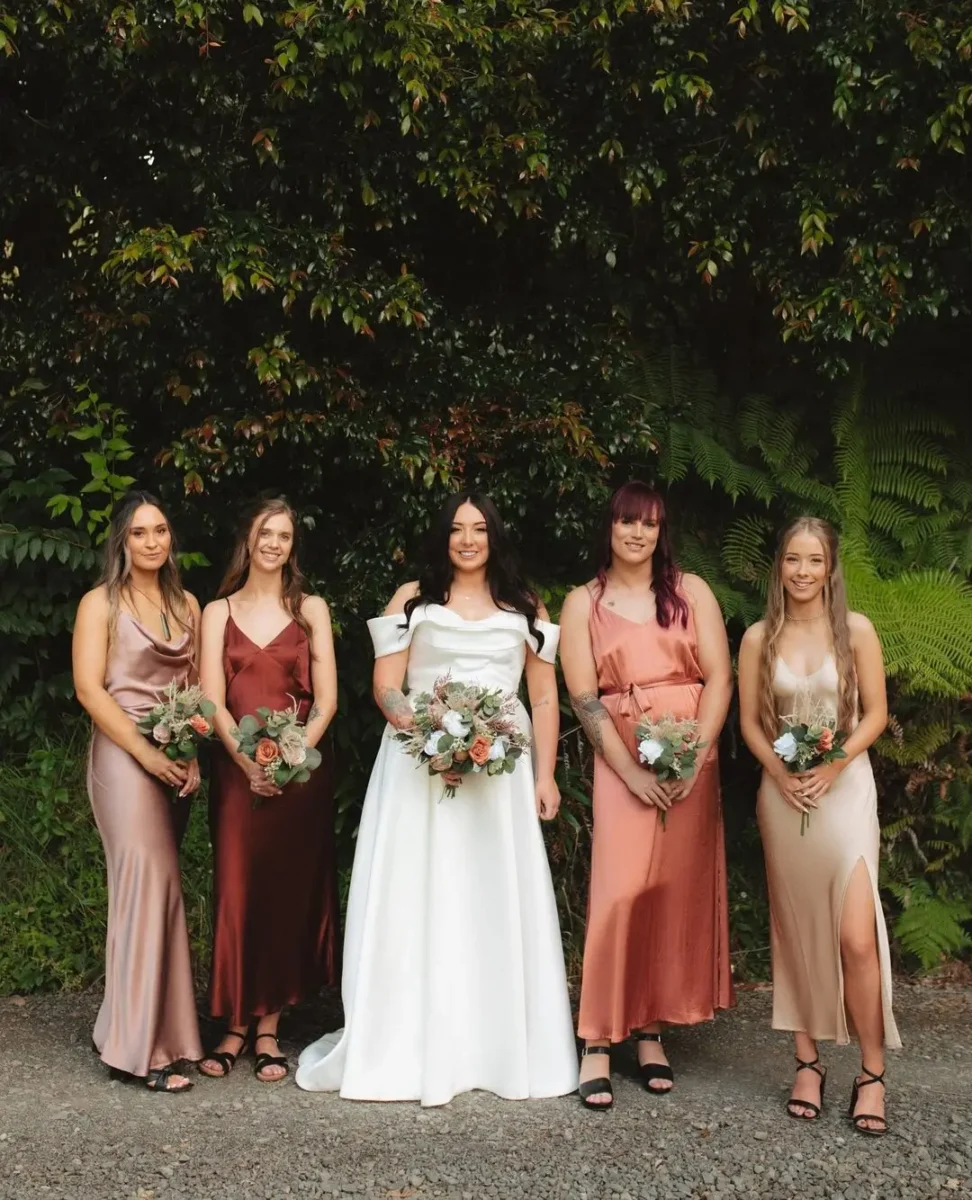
(855,1092)
(814,1108)
(269,1060)
(597,1087)
(225,1060)
(652,1071)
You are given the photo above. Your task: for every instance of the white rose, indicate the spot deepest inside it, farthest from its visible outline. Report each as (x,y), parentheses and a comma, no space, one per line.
(455,724)
(431,747)
(161,734)
(650,751)
(497,750)
(786,747)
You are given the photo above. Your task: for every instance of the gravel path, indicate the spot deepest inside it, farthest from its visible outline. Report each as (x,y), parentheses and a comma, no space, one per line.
(65,1131)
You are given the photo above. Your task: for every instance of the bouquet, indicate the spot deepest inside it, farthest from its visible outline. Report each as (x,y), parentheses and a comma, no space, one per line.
(461,729)
(669,747)
(807,741)
(277,742)
(181,720)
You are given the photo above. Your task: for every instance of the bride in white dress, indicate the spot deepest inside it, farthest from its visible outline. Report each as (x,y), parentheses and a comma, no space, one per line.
(453,966)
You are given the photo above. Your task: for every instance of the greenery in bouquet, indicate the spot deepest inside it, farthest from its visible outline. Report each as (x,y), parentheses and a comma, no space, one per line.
(181,720)
(809,738)
(668,746)
(277,742)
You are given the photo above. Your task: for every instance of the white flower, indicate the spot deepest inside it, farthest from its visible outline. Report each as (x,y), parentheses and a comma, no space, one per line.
(497,750)
(431,747)
(161,734)
(292,747)
(455,724)
(786,747)
(650,751)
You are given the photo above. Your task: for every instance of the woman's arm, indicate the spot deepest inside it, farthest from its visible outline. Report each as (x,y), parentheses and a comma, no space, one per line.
(541,681)
(213,681)
(323,669)
(89,652)
(580,675)
(389,673)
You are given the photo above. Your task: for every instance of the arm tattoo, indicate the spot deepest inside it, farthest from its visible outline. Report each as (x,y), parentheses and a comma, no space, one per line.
(592,714)
(540,703)
(314,713)
(393,704)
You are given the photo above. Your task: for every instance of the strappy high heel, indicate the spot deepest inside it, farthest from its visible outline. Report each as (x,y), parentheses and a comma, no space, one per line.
(856,1120)
(262,1061)
(225,1060)
(597,1087)
(652,1071)
(814,1108)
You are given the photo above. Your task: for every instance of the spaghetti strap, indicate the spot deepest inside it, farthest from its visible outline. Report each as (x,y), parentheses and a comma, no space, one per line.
(229,607)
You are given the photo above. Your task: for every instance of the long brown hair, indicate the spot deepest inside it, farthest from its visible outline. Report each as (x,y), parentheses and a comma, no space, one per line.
(116,566)
(835,606)
(294,583)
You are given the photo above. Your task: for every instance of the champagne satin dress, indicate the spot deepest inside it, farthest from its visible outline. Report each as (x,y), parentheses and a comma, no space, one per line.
(808,878)
(275,919)
(148,1016)
(657,944)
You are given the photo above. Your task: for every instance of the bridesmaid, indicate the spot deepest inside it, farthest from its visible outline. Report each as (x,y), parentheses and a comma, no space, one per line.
(831,965)
(134,634)
(644,638)
(275,924)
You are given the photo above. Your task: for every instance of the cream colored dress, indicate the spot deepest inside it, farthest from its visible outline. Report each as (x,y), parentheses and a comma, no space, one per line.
(808,878)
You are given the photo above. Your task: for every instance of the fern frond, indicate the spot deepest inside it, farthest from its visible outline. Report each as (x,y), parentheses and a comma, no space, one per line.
(931,924)
(907,483)
(744,549)
(916,746)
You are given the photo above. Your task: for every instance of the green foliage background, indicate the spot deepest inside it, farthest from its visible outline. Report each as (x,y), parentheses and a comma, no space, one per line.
(367,254)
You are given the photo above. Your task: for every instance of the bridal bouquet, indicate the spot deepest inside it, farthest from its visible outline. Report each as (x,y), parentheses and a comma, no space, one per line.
(277,742)
(181,720)
(462,729)
(807,741)
(669,747)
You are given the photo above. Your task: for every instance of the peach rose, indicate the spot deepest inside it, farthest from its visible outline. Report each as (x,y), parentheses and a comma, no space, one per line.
(479,750)
(199,723)
(266,752)
(825,742)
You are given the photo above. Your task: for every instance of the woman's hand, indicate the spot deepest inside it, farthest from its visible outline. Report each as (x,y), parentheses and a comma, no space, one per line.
(170,771)
(260,785)
(192,780)
(647,787)
(793,790)
(817,783)
(548,798)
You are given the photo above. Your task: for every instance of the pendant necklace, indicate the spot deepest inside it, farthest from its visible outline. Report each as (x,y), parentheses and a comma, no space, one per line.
(166,631)
(804,620)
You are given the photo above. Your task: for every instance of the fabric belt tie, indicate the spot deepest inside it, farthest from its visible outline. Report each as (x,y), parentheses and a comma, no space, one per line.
(634,701)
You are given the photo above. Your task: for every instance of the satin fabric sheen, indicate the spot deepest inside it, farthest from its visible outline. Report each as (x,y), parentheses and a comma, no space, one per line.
(453,967)
(808,877)
(275,936)
(148,1016)
(657,943)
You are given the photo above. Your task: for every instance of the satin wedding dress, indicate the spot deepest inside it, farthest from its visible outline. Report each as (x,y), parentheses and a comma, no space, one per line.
(453,966)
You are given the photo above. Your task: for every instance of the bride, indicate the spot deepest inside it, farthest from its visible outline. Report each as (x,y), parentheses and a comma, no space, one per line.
(453,967)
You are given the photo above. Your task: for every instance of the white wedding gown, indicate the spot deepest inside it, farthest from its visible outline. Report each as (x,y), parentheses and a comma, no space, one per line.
(453,965)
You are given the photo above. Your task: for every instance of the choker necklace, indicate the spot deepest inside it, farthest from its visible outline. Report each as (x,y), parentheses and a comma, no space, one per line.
(166,631)
(804,620)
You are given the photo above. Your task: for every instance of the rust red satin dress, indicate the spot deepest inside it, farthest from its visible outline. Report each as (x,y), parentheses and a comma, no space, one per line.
(275,935)
(657,945)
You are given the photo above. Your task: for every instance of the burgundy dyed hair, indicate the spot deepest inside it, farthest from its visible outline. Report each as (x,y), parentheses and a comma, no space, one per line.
(637,501)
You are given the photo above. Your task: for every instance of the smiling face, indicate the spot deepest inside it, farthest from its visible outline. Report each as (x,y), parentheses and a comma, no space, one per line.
(468,539)
(149,538)
(633,539)
(271,542)
(804,568)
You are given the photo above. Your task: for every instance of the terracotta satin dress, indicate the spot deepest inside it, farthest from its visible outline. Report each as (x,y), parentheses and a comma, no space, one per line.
(275,920)
(657,945)
(148,1016)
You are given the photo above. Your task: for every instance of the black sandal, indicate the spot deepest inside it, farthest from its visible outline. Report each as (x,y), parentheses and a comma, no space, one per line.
(814,1108)
(263,1061)
(225,1060)
(856,1120)
(596,1087)
(158,1081)
(652,1071)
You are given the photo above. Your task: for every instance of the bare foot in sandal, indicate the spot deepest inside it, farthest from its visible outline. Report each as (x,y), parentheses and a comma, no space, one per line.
(223,1058)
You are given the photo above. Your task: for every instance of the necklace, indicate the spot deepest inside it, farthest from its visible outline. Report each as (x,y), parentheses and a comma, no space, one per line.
(804,620)
(166,631)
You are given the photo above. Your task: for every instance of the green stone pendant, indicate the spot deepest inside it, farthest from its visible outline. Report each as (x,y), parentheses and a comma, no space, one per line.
(166,631)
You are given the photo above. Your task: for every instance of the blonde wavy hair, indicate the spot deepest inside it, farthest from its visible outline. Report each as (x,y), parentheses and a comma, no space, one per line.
(835,607)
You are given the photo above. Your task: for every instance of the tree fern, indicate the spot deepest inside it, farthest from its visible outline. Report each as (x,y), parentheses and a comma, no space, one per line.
(931,924)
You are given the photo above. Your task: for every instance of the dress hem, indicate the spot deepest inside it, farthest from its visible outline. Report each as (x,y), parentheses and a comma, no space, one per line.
(830,1037)
(683,1021)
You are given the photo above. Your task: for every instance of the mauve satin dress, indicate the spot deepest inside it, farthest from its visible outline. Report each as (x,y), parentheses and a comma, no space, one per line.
(275,935)
(148,1016)
(657,944)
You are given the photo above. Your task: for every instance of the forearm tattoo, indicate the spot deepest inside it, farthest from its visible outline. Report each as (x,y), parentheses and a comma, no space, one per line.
(592,714)
(314,713)
(393,704)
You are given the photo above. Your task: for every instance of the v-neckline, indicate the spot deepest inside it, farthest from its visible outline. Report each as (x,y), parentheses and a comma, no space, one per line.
(257,645)
(653,619)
